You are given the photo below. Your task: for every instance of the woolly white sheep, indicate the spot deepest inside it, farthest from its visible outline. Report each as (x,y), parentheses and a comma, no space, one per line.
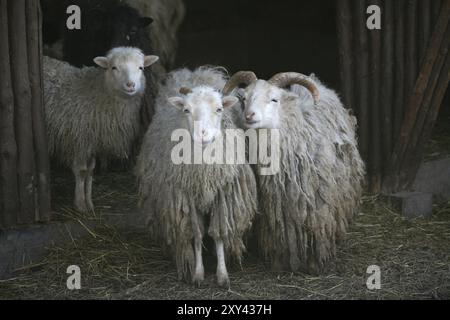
(93,112)
(184,201)
(306,207)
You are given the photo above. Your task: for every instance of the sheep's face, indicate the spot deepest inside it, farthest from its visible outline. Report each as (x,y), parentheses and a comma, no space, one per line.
(261,104)
(203,108)
(125,70)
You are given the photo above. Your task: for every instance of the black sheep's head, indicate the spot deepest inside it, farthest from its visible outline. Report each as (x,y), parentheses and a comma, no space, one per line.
(129,29)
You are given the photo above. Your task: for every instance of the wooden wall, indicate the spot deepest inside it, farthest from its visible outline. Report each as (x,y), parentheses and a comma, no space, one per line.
(24,164)
(394,79)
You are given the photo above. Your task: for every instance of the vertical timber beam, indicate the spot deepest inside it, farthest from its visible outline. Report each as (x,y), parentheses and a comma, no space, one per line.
(23,117)
(9,197)
(345,37)
(34,41)
(387,85)
(374,105)
(362,77)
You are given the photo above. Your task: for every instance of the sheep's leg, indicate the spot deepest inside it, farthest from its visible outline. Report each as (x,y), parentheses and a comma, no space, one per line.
(222,273)
(89,179)
(80,171)
(199,274)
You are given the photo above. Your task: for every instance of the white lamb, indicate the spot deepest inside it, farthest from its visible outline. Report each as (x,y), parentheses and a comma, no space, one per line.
(93,112)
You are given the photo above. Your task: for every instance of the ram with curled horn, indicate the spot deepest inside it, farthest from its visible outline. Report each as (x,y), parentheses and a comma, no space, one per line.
(307,206)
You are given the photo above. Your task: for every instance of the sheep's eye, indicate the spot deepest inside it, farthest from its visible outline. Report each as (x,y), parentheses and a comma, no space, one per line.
(141,68)
(114,68)
(186,111)
(220,110)
(274,100)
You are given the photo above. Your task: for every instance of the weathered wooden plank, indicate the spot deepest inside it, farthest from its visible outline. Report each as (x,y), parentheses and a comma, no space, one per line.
(34,40)
(9,198)
(427,79)
(361,76)
(374,103)
(345,31)
(424,27)
(437,76)
(411,46)
(387,85)
(412,165)
(399,94)
(23,118)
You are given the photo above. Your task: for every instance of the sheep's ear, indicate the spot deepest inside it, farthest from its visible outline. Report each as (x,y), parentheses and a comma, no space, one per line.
(229,101)
(149,60)
(177,102)
(145,21)
(102,62)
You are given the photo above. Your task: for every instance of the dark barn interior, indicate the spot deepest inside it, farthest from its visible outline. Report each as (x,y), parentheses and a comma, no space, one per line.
(393,79)
(265,36)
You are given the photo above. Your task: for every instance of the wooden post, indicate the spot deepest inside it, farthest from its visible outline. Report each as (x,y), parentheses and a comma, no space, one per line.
(374,105)
(361,77)
(399,66)
(424,27)
(411,47)
(23,118)
(344,27)
(387,84)
(34,41)
(9,204)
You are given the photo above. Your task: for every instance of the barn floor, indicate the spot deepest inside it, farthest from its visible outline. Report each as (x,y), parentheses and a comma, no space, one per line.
(120,262)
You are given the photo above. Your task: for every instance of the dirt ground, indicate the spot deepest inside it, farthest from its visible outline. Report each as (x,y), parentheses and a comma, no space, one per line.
(119,262)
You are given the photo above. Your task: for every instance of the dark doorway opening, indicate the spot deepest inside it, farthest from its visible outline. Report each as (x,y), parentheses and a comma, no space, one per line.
(265,36)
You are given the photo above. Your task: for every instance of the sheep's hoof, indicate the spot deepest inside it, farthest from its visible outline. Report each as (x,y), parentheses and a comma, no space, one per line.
(223,281)
(90,206)
(81,207)
(198,278)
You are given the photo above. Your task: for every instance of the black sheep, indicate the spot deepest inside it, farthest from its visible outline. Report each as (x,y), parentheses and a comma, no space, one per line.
(104,25)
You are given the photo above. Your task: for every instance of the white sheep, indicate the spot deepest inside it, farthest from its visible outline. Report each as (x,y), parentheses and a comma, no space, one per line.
(92,112)
(184,201)
(307,206)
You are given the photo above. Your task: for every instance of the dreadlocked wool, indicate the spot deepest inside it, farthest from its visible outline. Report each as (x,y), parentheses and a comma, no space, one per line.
(306,208)
(182,202)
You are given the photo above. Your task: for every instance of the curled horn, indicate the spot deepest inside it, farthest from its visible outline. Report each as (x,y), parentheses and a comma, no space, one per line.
(241,77)
(285,79)
(185,91)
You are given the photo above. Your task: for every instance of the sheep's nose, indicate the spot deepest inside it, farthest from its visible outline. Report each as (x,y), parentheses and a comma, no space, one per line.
(203,132)
(249,116)
(131,85)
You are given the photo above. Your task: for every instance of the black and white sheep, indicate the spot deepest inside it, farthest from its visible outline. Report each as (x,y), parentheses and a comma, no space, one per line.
(183,201)
(93,112)
(305,207)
